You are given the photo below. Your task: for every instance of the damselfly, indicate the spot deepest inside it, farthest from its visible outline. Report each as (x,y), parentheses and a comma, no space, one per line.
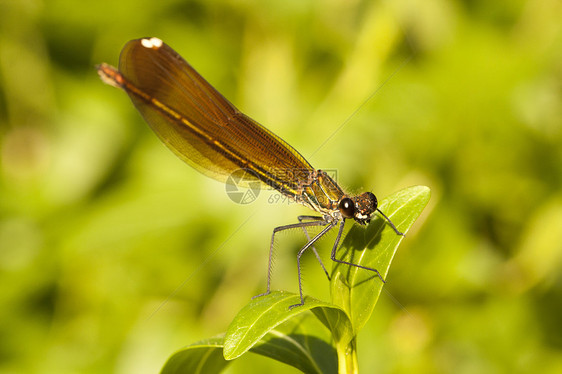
(206,131)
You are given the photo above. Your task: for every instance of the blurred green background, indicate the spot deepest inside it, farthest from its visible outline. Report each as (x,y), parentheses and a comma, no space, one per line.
(114,254)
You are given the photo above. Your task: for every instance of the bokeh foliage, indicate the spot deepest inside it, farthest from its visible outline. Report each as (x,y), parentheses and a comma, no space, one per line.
(114,254)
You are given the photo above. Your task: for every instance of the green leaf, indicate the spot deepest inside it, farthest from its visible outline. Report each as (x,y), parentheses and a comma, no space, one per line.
(301,342)
(357,290)
(264,313)
(204,357)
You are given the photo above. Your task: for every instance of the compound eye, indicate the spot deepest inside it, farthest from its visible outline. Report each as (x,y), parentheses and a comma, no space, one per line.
(347,207)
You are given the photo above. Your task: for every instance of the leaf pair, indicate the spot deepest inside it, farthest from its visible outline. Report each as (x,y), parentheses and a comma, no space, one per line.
(326,343)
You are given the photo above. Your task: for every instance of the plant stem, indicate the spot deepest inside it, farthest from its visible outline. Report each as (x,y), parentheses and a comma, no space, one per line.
(347,357)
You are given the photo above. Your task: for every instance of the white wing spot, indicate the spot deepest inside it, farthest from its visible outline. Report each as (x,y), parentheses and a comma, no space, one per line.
(151,43)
